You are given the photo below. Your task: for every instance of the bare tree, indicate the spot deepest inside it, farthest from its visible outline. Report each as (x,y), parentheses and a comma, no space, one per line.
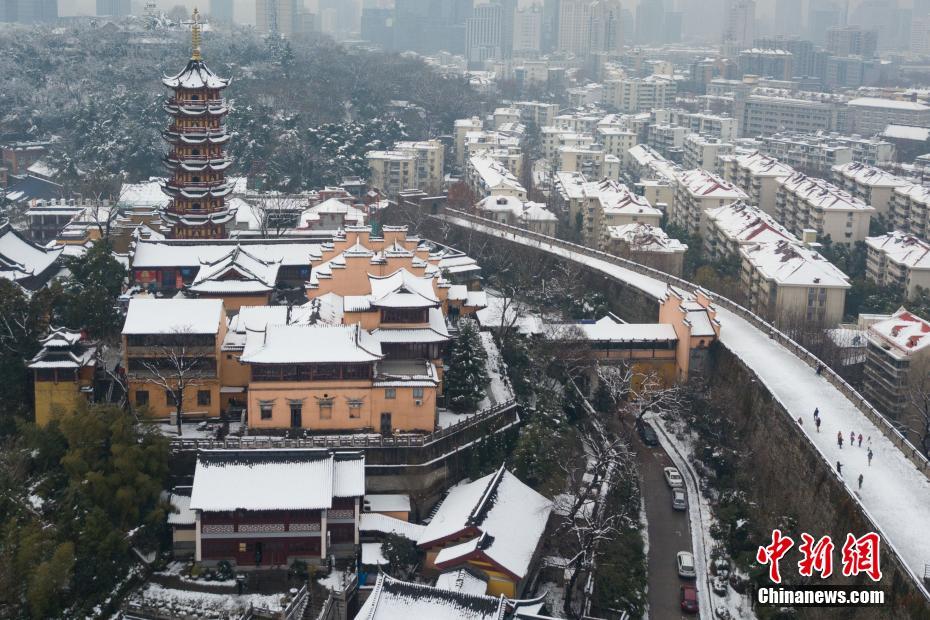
(275,213)
(639,391)
(178,366)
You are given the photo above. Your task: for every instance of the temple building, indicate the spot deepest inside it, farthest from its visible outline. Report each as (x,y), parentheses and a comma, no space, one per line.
(64,372)
(196,155)
(266,508)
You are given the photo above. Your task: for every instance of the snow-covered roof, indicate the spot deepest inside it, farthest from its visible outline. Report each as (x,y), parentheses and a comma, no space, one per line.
(506,513)
(762,165)
(617,198)
(436,331)
(144,195)
(494,175)
(332,206)
(902,248)
(149,254)
(792,264)
(891,104)
(239,271)
(402,289)
(194,76)
(871,176)
(275,479)
(746,223)
(20,258)
(310,344)
(915,193)
(181,513)
(704,184)
(822,195)
(643,237)
(371,554)
(387,502)
(376,522)
(904,331)
(392,599)
(64,348)
(463,579)
(607,329)
(907,132)
(173,316)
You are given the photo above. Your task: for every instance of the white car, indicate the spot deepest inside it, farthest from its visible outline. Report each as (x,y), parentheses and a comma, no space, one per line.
(686,565)
(679,499)
(673,478)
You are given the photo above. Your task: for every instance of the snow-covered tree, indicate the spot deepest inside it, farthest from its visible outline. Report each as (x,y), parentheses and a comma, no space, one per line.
(467,377)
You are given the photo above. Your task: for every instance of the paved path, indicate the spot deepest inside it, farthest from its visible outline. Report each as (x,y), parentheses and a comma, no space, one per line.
(669,533)
(895,496)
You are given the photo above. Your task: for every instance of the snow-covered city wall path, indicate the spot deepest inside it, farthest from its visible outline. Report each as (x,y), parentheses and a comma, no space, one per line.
(895,495)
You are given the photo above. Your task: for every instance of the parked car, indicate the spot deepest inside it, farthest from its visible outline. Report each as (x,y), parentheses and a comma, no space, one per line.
(689,602)
(723,613)
(679,499)
(673,478)
(719,586)
(647,433)
(686,565)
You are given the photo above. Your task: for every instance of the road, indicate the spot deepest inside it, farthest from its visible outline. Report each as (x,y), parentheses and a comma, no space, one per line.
(669,532)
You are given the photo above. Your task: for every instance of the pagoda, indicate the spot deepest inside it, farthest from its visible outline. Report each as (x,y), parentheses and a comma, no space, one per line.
(197,157)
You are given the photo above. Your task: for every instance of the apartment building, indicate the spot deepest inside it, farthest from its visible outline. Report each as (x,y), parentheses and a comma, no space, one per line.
(910,209)
(870,116)
(392,172)
(657,176)
(554,138)
(616,141)
(461,129)
(704,123)
(580,122)
(510,210)
(900,260)
(871,185)
(504,116)
(696,191)
(668,140)
(631,95)
(486,176)
(431,159)
(756,174)
(537,113)
(700,151)
(790,284)
(895,346)
(738,224)
(804,202)
(646,244)
(766,112)
(772,63)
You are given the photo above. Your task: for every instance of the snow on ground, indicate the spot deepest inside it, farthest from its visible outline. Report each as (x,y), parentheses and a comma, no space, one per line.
(333,581)
(895,494)
(498,391)
(680,448)
(201,602)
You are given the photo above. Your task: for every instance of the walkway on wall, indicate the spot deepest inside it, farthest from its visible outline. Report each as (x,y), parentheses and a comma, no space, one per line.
(895,494)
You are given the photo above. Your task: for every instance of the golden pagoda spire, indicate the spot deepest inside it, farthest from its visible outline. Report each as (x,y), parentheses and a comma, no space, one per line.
(195,36)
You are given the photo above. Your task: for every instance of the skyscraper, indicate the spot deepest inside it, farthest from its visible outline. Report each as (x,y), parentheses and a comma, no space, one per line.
(28,11)
(527,30)
(113,8)
(282,16)
(605,32)
(740,27)
(221,10)
(484,34)
(787,17)
(429,26)
(650,15)
(573,26)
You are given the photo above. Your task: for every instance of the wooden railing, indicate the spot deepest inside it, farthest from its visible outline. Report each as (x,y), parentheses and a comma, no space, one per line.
(892,433)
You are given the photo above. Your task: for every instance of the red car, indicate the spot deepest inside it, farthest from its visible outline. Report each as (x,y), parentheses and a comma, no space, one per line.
(689,599)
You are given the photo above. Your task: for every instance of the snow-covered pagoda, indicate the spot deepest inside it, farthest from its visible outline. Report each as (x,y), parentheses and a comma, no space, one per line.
(197,139)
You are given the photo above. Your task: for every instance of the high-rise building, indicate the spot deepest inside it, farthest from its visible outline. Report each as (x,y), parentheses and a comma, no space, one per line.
(787,17)
(802,50)
(113,8)
(28,11)
(740,26)
(649,21)
(484,34)
(822,15)
(605,29)
(527,30)
(221,10)
(672,27)
(852,41)
(284,17)
(196,157)
(344,14)
(430,26)
(377,26)
(508,14)
(549,38)
(573,26)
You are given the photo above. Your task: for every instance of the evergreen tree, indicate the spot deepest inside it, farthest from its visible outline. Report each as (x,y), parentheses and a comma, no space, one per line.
(467,377)
(92,292)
